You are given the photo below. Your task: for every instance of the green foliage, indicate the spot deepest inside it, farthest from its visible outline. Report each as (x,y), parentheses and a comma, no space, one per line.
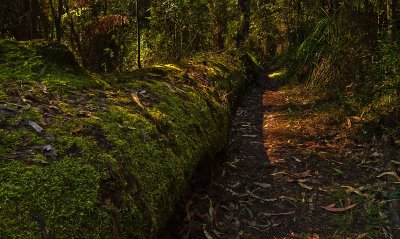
(329,57)
(185,27)
(384,84)
(102,33)
(350,60)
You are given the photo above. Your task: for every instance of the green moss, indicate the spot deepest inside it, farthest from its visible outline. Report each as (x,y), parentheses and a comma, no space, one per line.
(48,192)
(9,142)
(52,65)
(118,167)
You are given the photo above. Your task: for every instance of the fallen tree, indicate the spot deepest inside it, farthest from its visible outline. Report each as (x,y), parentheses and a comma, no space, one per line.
(84,156)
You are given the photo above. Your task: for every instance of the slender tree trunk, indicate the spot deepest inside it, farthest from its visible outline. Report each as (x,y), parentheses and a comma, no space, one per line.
(139,64)
(391,13)
(219,11)
(300,32)
(218,38)
(2,16)
(244,26)
(395,19)
(31,18)
(105,7)
(379,16)
(75,35)
(57,18)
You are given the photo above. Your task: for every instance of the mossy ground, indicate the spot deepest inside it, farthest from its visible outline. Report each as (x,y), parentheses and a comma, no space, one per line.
(122,146)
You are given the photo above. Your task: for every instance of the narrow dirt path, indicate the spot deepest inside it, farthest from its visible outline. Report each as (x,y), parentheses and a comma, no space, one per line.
(288,162)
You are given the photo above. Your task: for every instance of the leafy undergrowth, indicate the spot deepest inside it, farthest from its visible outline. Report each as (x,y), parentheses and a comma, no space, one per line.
(84,156)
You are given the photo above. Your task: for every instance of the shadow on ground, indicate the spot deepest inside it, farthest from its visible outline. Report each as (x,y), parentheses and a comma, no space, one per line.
(226,201)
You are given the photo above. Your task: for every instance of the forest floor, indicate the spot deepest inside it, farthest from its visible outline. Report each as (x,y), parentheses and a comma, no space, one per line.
(291,171)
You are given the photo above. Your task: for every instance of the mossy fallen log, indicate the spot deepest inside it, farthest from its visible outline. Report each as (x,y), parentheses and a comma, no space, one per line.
(83,156)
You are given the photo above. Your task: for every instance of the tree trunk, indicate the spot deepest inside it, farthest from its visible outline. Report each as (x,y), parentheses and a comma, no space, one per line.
(139,64)
(2,16)
(218,11)
(392,20)
(57,18)
(75,35)
(395,19)
(218,38)
(244,25)
(105,7)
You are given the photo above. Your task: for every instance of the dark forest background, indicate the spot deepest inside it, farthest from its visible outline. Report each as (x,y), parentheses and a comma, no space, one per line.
(344,50)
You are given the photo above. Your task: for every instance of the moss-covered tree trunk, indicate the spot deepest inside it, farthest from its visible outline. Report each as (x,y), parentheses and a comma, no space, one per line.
(105,157)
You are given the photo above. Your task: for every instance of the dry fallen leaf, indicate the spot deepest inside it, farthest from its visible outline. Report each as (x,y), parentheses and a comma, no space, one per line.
(212,212)
(278,173)
(277,214)
(332,208)
(363,235)
(39,161)
(349,124)
(305,186)
(377,154)
(206,233)
(290,200)
(135,98)
(350,189)
(263,185)
(169,86)
(304,174)
(395,162)
(78,128)
(260,198)
(250,212)
(35,126)
(297,160)
(313,236)
(389,173)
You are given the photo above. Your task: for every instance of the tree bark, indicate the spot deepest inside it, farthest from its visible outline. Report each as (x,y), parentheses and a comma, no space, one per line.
(392,19)
(395,19)
(139,64)
(218,10)
(73,31)
(244,25)
(57,18)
